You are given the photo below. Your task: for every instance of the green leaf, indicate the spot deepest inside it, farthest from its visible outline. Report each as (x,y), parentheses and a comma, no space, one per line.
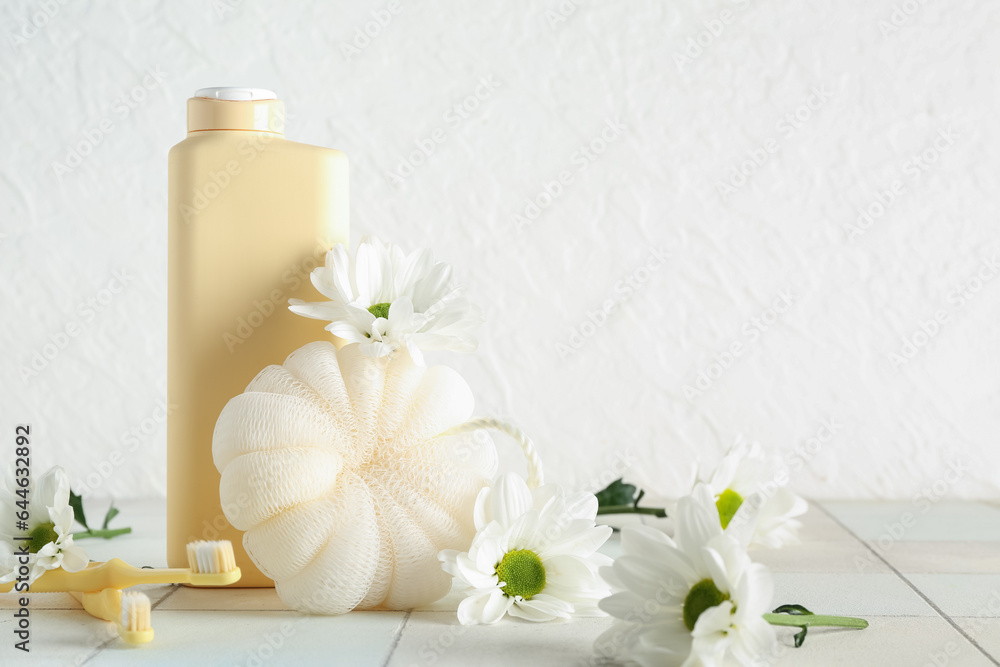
(793,609)
(796,610)
(76,502)
(112,513)
(617,493)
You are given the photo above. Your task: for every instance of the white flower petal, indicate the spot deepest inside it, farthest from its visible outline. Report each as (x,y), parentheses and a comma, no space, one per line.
(754,641)
(697,520)
(400,310)
(417,264)
(607,573)
(581,506)
(652,650)
(59,495)
(496,606)
(508,517)
(541,608)
(471,610)
(431,287)
(351,322)
(575,580)
(414,351)
(49,502)
(521,534)
(714,619)
(479,510)
(50,550)
(74,558)
(580,537)
(766,516)
(651,579)
(506,500)
(654,632)
(62,518)
(368,275)
(487,549)
(448,558)
(717,569)
(644,539)
(744,526)
(334,279)
(322,310)
(39,567)
(425,311)
(756,591)
(474,576)
(567,570)
(775,522)
(626,605)
(653,543)
(724,474)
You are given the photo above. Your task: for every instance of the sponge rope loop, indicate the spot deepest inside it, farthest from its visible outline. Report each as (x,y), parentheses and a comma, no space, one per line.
(535,476)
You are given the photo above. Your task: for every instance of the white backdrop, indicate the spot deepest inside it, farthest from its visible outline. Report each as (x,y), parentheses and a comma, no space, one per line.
(684,220)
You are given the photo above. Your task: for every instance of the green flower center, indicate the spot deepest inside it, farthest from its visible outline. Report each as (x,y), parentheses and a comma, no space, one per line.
(380,310)
(727,505)
(703,595)
(523,573)
(41,535)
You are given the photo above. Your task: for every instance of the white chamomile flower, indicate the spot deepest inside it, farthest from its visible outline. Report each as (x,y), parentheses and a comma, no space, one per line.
(696,599)
(385,299)
(748,473)
(534,555)
(49,525)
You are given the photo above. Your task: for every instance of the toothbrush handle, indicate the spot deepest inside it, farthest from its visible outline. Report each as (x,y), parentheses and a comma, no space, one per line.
(106,604)
(115,573)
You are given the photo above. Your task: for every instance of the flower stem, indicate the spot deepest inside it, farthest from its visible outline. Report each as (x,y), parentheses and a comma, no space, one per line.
(815,620)
(106,534)
(629,509)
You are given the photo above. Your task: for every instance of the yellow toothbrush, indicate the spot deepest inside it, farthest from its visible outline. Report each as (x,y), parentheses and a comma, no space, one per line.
(130,611)
(98,586)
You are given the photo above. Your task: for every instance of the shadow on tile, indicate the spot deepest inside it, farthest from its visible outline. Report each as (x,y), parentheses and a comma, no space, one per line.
(435,638)
(884,522)
(941,557)
(887,641)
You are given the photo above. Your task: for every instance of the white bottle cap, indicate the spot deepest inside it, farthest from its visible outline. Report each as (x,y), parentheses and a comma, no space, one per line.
(236,94)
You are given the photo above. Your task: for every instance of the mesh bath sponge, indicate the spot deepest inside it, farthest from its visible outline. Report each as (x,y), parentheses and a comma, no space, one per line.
(337,467)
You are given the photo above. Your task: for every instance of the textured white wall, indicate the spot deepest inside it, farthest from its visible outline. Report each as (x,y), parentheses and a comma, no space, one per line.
(742,140)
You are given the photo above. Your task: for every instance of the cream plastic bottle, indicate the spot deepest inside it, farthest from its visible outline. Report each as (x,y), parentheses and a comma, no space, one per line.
(250,215)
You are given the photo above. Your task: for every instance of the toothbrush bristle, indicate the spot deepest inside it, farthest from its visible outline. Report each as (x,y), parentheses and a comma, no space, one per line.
(136,611)
(211,557)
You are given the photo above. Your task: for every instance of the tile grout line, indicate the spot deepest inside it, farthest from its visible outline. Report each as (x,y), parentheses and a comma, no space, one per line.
(395,640)
(160,601)
(99,649)
(911,585)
